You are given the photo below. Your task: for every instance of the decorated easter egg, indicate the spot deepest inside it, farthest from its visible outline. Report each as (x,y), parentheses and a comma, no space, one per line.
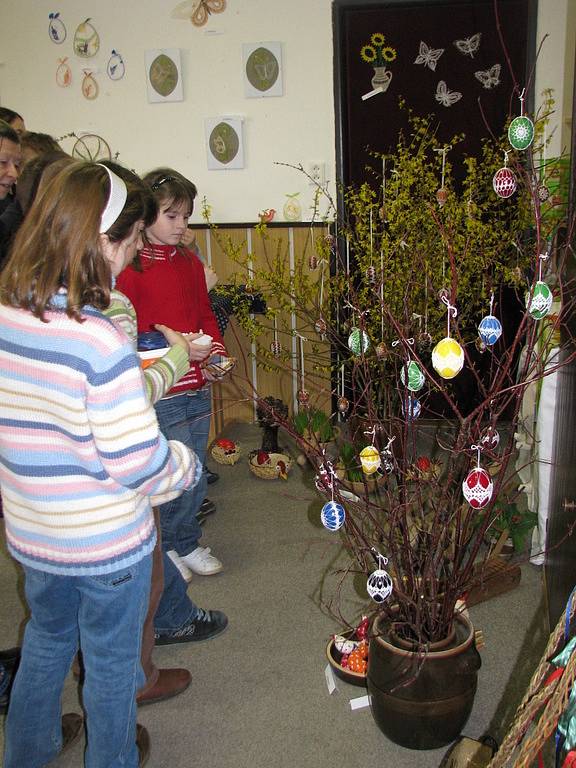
(448,358)
(381,351)
(312,261)
(490,330)
(521,132)
(411,408)
(371,274)
(303,396)
(56,28)
(116,68)
(490,438)
(357,663)
(344,645)
(343,404)
(332,515)
(379,585)
(442,196)
(292,208)
(387,459)
(86,40)
(543,193)
(504,182)
(539,303)
(225,444)
(362,628)
(370,459)
(477,488)
(358,341)
(412,377)
(320,326)
(276,348)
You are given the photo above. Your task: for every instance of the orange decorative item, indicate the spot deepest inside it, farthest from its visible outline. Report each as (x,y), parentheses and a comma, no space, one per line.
(356,663)
(267,215)
(362,649)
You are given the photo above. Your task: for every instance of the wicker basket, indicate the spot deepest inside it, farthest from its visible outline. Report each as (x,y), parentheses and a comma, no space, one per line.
(225,457)
(270,471)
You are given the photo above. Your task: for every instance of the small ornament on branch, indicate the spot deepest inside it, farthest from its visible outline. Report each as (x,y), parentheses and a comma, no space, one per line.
(442,193)
(539,298)
(477,486)
(275,346)
(379,584)
(504,180)
(333,515)
(448,355)
(490,328)
(370,456)
(521,129)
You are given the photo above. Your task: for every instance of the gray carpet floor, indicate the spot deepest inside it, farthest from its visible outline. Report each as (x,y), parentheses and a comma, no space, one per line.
(259,696)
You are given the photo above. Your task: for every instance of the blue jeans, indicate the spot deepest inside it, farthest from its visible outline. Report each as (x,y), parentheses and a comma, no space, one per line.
(105,615)
(175,608)
(185,418)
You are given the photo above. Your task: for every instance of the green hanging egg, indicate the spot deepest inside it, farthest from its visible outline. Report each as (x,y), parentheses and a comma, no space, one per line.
(415,379)
(163,75)
(358,341)
(539,304)
(521,132)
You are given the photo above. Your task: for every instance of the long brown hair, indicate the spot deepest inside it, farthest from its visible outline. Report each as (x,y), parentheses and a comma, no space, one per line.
(58,245)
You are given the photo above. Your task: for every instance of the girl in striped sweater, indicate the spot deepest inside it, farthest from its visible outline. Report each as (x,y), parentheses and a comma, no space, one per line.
(80,456)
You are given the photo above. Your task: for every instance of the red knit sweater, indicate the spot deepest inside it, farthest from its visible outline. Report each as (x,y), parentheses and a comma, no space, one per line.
(171,289)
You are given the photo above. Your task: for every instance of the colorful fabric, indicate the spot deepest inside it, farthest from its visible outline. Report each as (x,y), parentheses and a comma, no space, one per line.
(171,289)
(80,447)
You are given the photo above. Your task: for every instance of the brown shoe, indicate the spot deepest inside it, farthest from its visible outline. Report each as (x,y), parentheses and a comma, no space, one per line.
(170,683)
(143,744)
(72,727)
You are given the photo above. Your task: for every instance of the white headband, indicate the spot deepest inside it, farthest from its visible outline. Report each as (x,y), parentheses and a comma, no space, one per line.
(116,200)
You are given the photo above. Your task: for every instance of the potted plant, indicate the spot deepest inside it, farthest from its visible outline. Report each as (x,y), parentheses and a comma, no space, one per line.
(420,355)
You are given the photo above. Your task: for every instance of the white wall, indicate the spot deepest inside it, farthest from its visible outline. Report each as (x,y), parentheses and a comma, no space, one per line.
(295,128)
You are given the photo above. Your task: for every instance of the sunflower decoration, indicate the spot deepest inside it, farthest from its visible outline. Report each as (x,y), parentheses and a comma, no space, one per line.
(376,52)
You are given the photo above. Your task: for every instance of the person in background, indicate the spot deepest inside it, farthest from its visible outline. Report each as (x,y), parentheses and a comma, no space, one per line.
(167,285)
(76,481)
(10,162)
(35,144)
(13,119)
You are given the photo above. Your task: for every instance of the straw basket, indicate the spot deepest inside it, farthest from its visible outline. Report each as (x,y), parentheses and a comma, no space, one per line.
(269,471)
(225,457)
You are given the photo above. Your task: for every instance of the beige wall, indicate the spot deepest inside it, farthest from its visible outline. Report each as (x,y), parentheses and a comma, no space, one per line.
(295,128)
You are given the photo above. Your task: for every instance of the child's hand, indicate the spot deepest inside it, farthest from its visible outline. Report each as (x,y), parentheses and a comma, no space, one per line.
(217,367)
(197,352)
(174,338)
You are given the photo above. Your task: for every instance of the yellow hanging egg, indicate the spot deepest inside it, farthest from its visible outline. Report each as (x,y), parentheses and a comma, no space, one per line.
(370,459)
(448,358)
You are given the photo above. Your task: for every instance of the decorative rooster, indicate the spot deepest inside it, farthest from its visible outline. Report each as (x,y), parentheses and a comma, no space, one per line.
(282,471)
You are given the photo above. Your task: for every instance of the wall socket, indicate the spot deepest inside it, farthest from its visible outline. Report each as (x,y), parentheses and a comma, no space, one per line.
(316,173)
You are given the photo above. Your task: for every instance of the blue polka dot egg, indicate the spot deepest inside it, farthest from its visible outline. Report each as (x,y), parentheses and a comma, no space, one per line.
(490,330)
(333,515)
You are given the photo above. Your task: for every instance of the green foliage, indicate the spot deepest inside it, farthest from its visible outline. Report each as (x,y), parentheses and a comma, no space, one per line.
(518,523)
(314,421)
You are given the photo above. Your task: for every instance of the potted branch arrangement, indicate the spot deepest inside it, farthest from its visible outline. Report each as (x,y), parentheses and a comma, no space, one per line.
(431,316)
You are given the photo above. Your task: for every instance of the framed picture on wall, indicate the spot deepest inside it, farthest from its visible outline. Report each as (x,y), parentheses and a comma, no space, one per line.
(163,75)
(224,143)
(262,70)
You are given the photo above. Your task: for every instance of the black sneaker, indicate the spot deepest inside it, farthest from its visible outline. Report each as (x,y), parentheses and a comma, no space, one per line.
(212,477)
(206,625)
(207,508)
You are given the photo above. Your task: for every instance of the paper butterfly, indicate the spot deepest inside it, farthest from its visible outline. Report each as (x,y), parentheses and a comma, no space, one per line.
(198,11)
(489,77)
(446,97)
(469,45)
(428,56)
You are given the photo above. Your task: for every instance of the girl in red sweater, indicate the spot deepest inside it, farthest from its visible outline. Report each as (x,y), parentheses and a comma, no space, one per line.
(167,285)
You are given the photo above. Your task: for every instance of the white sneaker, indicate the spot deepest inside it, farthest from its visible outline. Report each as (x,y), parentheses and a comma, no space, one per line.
(200,561)
(185,572)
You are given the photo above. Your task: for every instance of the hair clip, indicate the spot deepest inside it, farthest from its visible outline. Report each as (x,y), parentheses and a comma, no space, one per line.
(161,181)
(116,200)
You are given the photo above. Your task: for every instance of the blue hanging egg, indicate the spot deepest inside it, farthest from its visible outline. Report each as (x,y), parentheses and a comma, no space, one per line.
(411,408)
(490,330)
(332,515)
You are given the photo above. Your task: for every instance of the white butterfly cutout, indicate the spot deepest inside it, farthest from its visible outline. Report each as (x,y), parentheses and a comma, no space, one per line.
(446,97)
(489,77)
(469,45)
(428,56)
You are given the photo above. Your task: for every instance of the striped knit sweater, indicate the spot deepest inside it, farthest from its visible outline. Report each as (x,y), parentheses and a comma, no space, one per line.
(171,289)
(80,448)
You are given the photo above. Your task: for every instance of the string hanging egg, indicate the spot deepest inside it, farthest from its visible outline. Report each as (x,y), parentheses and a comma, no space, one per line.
(477,488)
(411,408)
(504,182)
(379,584)
(411,376)
(539,301)
(276,348)
(490,438)
(490,330)
(448,358)
(370,459)
(303,396)
(343,404)
(358,341)
(521,129)
(333,516)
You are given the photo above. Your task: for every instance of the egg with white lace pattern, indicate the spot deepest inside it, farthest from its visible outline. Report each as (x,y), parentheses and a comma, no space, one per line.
(333,516)
(448,358)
